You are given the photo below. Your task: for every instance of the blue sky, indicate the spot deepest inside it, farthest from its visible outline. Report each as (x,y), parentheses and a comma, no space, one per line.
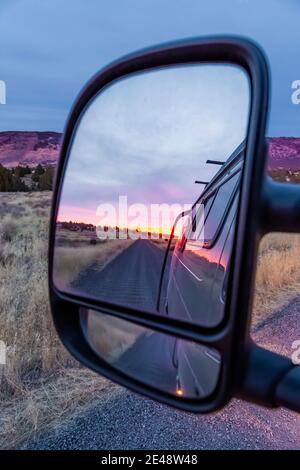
(50,48)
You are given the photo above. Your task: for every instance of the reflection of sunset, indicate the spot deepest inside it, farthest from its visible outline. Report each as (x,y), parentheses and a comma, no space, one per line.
(165,231)
(88,216)
(196,249)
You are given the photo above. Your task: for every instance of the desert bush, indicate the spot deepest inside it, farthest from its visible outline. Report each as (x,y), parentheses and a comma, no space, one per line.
(46,179)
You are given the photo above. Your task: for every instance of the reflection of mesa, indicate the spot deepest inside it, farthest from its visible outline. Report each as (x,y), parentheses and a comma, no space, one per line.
(2,92)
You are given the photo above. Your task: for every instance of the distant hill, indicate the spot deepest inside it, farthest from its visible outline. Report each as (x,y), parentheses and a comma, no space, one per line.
(32,148)
(284,153)
(29,148)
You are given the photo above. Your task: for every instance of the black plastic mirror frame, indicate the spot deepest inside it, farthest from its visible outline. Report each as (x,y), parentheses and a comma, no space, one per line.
(232,336)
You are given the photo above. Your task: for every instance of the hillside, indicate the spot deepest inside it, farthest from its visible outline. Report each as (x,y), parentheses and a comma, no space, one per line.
(33,148)
(284,153)
(29,148)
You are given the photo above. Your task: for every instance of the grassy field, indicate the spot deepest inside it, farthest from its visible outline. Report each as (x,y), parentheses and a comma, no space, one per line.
(278,274)
(41,383)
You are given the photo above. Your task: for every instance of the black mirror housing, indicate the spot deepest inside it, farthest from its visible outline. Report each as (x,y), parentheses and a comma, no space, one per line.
(231,336)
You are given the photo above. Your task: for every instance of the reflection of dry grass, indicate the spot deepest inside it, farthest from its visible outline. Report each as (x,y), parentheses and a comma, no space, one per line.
(40,381)
(110,336)
(161,243)
(278,273)
(70,260)
(74,238)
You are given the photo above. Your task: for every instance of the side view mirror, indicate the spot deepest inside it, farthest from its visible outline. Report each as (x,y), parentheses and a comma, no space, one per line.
(161,198)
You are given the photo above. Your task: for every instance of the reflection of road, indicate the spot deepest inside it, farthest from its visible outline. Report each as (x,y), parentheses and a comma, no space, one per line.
(153,359)
(131,278)
(150,360)
(198,369)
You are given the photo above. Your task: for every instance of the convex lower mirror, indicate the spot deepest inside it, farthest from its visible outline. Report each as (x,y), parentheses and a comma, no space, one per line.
(173,365)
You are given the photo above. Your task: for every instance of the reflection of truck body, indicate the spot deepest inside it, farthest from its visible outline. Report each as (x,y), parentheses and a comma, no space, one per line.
(198,369)
(200,262)
(199,273)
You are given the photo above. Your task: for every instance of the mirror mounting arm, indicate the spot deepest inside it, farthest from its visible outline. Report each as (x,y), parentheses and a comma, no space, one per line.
(270,380)
(288,390)
(280,207)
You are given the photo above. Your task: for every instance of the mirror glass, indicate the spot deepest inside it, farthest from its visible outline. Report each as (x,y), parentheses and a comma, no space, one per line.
(173,365)
(148,204)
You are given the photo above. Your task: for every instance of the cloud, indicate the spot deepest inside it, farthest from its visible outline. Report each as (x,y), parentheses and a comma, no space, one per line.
(149,136)
(50,49)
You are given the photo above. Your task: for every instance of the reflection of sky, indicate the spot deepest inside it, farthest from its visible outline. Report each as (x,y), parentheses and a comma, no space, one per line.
(149,136)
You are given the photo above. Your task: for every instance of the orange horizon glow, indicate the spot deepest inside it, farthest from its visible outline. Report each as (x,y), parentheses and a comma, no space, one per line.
(165,232)
(79,215)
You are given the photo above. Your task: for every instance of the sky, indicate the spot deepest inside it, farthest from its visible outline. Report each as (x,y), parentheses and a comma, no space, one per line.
(49,49)
(147,138)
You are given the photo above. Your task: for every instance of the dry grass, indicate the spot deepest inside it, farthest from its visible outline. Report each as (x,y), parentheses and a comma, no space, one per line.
(47,403)
(40,381)
(278,274)
(160,243)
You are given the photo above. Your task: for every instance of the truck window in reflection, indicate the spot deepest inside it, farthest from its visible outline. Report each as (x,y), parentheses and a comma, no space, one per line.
(199,267)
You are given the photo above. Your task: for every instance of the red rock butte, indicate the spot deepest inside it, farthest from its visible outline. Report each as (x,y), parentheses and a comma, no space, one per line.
(29,148)
(32,148)
(284,153)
